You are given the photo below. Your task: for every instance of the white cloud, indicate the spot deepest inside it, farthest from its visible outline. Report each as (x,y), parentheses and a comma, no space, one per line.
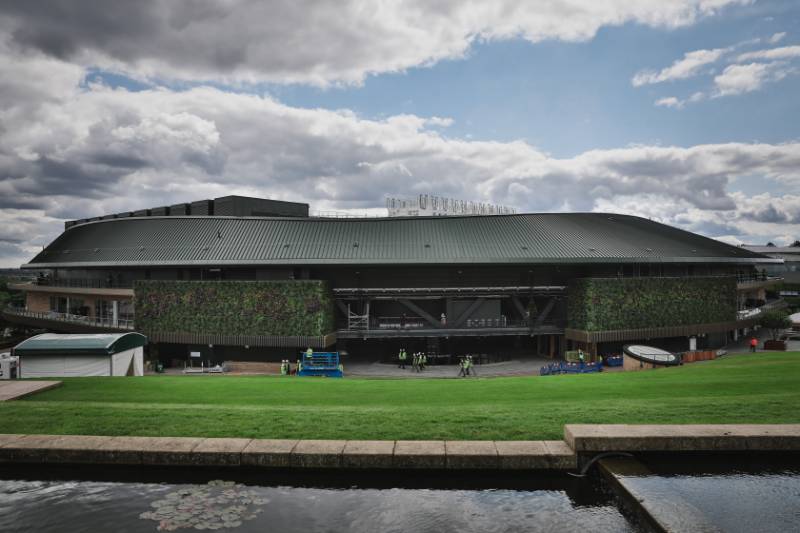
(739,79)
(670,101)
(677,103)
(777,37)
(765,66)
(690,65)
(162,147)
(316,42)
(783,52)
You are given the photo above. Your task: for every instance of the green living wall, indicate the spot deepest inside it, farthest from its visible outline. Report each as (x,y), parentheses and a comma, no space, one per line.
(603,304)
(290,308)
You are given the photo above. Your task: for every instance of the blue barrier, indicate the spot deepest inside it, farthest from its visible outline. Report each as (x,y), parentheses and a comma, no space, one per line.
(615,360)
(564,367)
(320,364)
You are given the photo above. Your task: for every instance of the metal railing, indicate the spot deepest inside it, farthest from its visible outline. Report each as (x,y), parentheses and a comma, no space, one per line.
(391,291)
(413,322)
(756,278)
(100,322)
(744,314)
(83,283)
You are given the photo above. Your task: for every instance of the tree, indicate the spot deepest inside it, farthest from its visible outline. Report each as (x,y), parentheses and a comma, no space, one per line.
(775,322)
(795,244)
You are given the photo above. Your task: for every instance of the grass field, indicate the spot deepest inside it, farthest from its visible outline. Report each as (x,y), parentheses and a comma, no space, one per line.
(761,388)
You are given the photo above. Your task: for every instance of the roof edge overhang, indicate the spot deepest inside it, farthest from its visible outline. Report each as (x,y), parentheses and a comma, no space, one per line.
(462,261)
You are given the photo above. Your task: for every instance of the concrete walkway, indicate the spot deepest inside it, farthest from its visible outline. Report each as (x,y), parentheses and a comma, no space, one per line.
(519,367)
(743,344)
(14,389)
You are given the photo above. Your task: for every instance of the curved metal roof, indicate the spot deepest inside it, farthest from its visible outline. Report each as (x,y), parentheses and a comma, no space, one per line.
(526,238)
(80,344)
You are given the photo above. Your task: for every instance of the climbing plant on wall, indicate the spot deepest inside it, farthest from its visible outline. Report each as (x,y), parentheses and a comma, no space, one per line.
(603,304)
(290,308)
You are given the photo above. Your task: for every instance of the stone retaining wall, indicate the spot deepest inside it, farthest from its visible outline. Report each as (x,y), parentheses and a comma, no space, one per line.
(195,451)
(581,442)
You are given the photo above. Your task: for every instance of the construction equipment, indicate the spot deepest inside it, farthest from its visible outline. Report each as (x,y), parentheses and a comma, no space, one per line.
(324,364)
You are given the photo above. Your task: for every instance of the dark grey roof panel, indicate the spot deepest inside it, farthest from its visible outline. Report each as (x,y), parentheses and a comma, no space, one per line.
(526,238)
(245,206)
(179,210)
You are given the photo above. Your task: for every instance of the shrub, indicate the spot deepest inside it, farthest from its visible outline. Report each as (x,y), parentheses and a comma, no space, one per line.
(775,321)
(286,308)
(603,304)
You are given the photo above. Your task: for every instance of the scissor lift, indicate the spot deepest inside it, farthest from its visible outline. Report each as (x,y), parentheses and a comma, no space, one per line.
(321,364)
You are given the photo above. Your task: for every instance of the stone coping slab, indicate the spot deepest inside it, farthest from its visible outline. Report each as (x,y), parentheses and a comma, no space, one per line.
(318,453)
(419,454)
(464,454)
(221,452)
(368,454)
(584,438)
(438,454)
(457,455)
(269,453)
(535,455)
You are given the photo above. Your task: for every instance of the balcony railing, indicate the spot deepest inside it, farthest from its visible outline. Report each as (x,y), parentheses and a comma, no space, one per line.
(745,314)
(383,323)
(99,322)
(753,278)
(84,283)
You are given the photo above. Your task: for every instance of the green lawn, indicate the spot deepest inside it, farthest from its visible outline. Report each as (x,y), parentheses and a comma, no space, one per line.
(761,388)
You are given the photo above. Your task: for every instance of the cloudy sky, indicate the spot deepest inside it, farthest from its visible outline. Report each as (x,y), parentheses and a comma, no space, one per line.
(686,111)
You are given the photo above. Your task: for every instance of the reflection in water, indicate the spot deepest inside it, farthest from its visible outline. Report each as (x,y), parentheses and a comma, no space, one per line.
(738,502)
(737,493)
(65,506)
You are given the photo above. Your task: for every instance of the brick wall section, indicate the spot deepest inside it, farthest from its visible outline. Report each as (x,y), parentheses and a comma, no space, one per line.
(40,301)
(36,301)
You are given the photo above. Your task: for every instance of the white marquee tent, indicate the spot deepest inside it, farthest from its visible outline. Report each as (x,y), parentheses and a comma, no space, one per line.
(104,354)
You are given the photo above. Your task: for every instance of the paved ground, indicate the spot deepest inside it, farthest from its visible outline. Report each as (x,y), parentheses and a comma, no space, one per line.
(12,389)
(520,367)
(517,367)
(743,344)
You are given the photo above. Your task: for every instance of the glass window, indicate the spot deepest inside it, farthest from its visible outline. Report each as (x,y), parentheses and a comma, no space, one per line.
(103,309)
(58,304)
(76,306)
(125,310)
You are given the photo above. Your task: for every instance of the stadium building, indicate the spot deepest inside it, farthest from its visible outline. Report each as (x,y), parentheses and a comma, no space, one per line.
(254,279)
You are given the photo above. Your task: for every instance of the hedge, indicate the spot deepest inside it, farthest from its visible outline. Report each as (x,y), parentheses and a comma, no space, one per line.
(290,308)
(604,304)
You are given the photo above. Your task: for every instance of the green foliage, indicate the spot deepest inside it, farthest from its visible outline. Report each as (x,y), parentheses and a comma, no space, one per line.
(603,304)
(734,389)
(8,297)
(287,308)
(775,322)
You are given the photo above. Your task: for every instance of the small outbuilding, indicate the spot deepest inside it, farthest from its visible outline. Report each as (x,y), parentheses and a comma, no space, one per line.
(795,319)
(103,354)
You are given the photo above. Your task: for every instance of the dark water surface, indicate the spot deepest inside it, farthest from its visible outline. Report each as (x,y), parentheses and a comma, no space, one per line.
(736,493)
(70,502)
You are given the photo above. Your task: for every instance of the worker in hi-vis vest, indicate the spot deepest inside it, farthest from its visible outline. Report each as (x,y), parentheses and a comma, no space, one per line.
(401,358)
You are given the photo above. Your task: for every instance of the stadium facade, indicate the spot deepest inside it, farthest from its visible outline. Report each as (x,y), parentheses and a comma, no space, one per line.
(253,279)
